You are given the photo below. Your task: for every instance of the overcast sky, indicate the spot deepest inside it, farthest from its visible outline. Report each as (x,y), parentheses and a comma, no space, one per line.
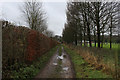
(55,12)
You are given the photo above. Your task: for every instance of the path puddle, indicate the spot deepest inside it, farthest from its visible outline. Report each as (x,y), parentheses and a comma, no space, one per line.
(55,64)
(58,67)
(65,68)
(60,57)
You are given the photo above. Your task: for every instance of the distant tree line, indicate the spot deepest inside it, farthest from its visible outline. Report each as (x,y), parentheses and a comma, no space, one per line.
(92,22)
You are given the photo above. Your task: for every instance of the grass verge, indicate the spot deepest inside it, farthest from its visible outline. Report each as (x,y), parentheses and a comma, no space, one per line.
(32,70)
(82,68)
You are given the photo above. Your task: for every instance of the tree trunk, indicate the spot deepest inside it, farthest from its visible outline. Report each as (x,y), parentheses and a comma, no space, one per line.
(75,35)
(110,37)
(81,39)
(95,42)
(98,24)
(89,36)
(102,39)
(111,33)
(98,33)
(81,42)
(84,33)
(76,39)
(94,38)
(84,39)
(88,30)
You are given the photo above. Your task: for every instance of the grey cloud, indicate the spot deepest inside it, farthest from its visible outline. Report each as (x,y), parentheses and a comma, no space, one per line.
(55,12)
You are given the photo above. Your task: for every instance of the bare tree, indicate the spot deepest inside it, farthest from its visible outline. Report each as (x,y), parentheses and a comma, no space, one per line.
(113,19)
(34,15)
(90,20)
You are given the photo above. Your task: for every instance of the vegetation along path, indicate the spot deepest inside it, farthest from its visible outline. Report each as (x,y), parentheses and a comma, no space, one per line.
(59,66)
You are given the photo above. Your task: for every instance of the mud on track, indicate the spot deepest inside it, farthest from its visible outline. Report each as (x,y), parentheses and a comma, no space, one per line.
(58,67)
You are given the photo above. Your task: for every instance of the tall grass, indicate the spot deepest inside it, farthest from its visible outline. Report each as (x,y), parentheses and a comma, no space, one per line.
(84,67)
(102,58)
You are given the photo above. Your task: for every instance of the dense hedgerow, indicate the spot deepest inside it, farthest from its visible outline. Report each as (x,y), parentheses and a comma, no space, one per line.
(21,45)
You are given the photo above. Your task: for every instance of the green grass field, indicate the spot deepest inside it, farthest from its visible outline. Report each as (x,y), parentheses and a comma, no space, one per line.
(115,46)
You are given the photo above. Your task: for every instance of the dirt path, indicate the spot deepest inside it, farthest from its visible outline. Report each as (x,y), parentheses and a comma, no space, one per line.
(58,67)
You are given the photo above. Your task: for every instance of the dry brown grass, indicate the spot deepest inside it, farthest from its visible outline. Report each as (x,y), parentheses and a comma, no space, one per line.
(96,61)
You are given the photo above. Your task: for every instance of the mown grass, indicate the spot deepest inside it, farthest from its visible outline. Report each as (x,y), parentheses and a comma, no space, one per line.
(115,46)
(84,69)
(32,70)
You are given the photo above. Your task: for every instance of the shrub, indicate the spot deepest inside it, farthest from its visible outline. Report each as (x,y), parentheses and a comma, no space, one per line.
(22,45)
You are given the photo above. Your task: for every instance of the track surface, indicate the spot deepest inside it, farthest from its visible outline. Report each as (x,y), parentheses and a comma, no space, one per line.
(58,67)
